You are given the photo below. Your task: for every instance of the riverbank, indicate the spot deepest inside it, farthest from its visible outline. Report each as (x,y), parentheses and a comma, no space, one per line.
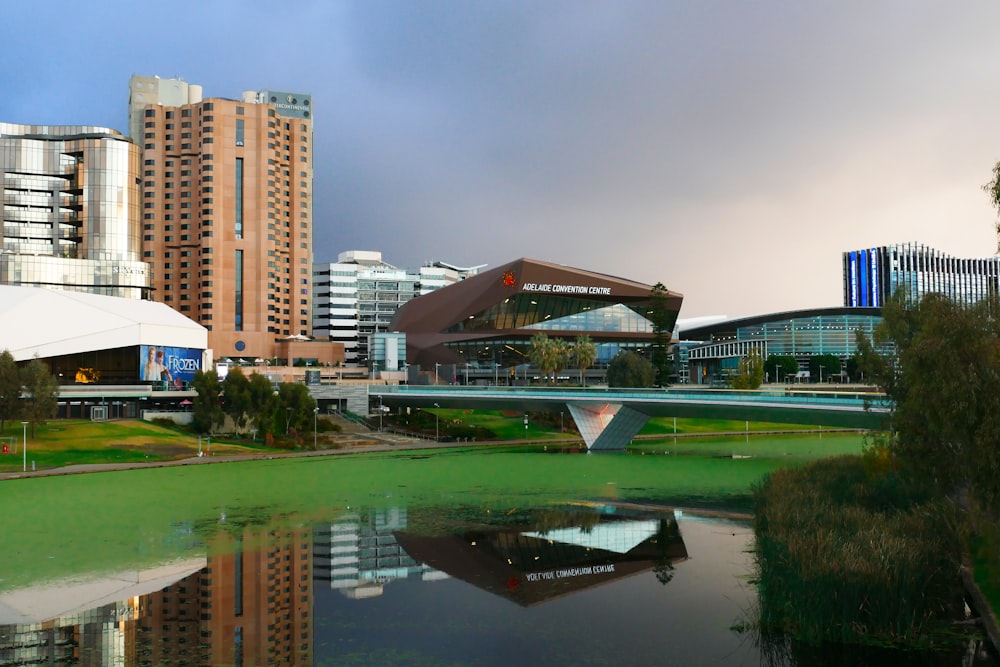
(374,442)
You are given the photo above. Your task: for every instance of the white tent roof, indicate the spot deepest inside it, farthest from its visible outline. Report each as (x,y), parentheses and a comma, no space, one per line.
(52,323)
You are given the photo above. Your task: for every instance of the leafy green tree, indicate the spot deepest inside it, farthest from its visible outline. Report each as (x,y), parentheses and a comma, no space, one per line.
(824,366)
(662,320)
(942,375)
(41,393)
(236,398)
(628,369)
(294,408)
(584,354)
(10,389)
(261,402)
(207,409)
(853,368)
(751,372)
(992,189)
(779,365)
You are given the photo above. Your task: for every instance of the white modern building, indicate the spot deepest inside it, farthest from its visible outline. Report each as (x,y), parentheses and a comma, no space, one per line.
(357,296)
(101,347)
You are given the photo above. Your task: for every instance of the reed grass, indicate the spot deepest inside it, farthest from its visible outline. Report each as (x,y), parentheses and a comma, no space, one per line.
(845,553)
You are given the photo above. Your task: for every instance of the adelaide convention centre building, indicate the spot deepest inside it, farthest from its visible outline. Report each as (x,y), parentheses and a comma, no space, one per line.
(483,325)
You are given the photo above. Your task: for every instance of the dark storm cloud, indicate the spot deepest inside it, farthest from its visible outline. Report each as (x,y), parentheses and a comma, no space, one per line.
(730,150)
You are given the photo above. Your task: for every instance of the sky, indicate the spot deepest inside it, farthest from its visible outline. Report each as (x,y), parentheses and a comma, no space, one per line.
(730,150)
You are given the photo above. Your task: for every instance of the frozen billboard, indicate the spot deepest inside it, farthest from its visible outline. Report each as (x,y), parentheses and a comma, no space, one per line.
(174,366)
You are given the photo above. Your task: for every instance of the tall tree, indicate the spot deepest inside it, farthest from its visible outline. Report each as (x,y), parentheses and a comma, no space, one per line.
(993,190)
(628,369)
(584,355)
(208,412)
(236,399)
(544,353)
(10,389)
(294,408)
(262,397)
(780,365)
(824,366)
(41,393)
(939,364)
(751,372)
(660,317)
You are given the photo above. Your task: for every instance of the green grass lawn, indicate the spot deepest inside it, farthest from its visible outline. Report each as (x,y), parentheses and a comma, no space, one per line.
(74,442)
(509,425)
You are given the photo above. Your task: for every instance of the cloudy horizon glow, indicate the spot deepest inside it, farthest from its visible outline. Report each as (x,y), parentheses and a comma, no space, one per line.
(731,151)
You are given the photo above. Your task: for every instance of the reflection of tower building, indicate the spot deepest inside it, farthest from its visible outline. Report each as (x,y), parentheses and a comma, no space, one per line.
(71,210)
(227,209)
(359,554)
(104,635)
(250,606)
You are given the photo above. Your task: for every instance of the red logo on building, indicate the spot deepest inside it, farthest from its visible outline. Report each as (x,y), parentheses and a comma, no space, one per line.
(509,279)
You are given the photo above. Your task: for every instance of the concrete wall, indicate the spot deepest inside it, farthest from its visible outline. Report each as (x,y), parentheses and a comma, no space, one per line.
(182,418)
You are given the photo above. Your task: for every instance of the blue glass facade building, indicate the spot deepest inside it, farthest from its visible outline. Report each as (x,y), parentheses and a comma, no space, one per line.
(872,275)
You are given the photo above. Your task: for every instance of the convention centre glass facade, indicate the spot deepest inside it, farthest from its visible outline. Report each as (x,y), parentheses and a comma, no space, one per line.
(486,322)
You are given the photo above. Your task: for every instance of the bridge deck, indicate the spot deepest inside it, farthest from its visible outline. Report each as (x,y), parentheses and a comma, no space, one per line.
(864,410)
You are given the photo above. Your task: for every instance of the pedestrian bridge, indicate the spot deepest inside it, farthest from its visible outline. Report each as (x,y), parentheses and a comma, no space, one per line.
(608,418)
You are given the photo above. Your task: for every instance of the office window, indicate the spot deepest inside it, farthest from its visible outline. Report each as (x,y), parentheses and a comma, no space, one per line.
(238,213)
(239,131)
(238,302)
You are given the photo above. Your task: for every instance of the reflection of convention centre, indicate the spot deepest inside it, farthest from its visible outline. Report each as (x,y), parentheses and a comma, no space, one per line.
(487,321)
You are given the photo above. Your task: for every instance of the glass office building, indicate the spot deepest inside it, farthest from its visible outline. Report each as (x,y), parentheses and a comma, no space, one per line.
(356,297)
(872,275)
(801,334)
(71,210)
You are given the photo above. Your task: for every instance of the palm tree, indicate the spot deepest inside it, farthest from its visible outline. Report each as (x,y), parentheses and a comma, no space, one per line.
(585,354)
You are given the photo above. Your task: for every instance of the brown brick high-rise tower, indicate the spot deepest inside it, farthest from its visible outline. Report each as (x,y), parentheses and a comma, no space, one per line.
(227,210)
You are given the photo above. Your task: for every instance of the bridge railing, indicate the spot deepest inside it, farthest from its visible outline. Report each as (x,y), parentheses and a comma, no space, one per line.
(783,397)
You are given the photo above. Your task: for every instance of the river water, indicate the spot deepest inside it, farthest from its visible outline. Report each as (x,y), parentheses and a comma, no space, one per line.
(430,577)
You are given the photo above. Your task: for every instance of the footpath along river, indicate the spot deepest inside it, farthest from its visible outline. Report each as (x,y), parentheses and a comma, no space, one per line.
(465,556)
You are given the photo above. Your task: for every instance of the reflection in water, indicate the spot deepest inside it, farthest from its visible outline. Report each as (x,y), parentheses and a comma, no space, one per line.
(250,602)
(553,553)
(558,586)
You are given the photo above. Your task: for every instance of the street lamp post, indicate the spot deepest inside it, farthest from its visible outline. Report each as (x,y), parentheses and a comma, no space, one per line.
(436,364)
(777,373)
(380,411)
(315,416)
(24,444)
(437,422)
(288,419)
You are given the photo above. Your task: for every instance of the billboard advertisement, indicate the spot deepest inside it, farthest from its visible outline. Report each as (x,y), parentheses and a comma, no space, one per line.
(174,366)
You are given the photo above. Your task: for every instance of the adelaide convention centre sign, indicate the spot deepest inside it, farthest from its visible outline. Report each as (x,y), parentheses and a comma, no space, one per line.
(548,288)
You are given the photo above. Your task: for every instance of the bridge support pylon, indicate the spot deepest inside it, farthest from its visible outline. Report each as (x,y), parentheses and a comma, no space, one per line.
(607,426)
